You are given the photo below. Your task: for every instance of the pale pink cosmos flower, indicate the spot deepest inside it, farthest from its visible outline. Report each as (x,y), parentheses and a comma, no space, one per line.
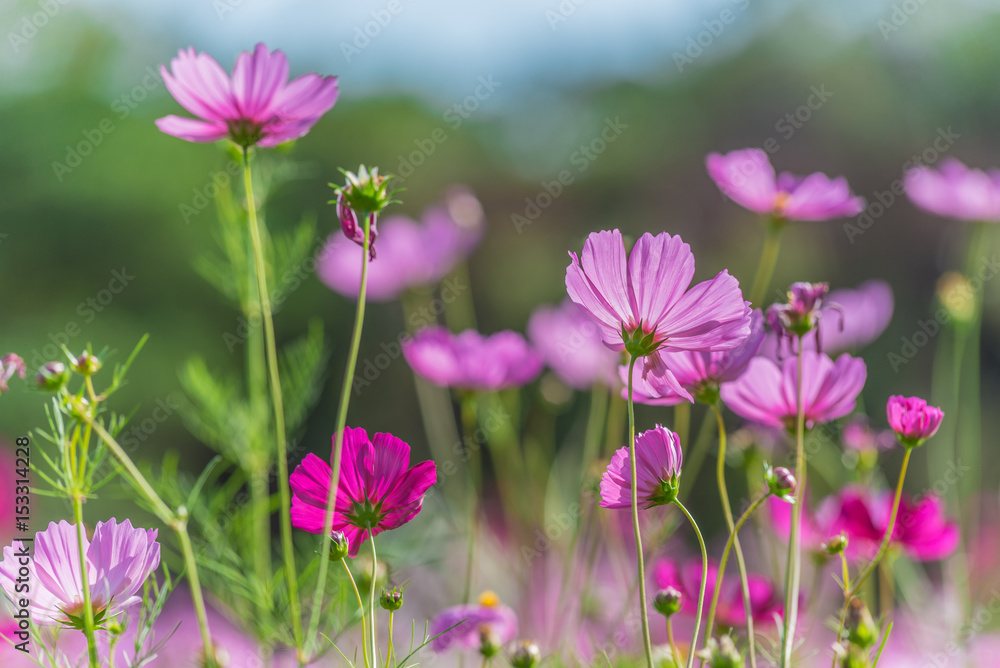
(955,191)
(913,420)
(658,460)
(570,343)
(257,105)
(462,626)
(471,361)
(747,177)
(378,489)
(11,365)
(767,392)
(119,559)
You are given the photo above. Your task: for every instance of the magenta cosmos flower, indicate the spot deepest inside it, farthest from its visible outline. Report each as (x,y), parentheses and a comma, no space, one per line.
(955,191)
(119,559)
(410,254)
(645,295)
(471,361)
(257,105)
(765,599)
(698,373)
(378,490)
(658,460)
(570,343)
(767,392)
(747,178)
(468,624)
(912,419)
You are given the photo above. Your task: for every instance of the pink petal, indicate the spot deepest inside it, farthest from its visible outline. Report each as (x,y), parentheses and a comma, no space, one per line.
(191,129)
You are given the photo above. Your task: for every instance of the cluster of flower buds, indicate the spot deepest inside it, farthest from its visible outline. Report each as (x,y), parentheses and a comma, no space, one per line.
(53,376)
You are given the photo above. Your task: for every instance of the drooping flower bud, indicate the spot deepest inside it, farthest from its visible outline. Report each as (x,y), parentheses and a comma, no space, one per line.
(780,482)
(363,197)
(87,364)
(801,313)
(52,377)
(11,365)
(668,601)
(527,655)
(913,420)
(391,599)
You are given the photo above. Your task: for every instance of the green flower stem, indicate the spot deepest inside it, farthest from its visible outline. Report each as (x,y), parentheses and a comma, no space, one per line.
(643,605)
(673,645)
(338,447)
(288,547)
(768,260)
(747,514)
(682,421)
(388,658)
(361,607)
(88,607)
(856,585)
(176,521)
(704,582)
(793,572)
(720,475)
(371,593)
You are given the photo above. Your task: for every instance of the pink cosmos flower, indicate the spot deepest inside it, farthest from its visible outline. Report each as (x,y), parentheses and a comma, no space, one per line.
(747,178)
(646,294)
(767,392)
(468,623)
(765,598)
(955,191)
(256,105)
(698,373)
(410,254)
(570,343)
(378,490)
(471,361)
(912,419)
(658,460)
(119,559)
(859,435)
(10,365)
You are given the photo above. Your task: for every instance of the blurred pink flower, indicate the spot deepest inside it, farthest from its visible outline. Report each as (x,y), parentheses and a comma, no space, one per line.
(912,419)
(765,598)
(859,435)
(767,392)
(119,559)
(747,177)
(570,343)
(10,365)
(955,191)
(378,490)
(658,460)
(410,254)
(471,361)
(257,105)
(468,622)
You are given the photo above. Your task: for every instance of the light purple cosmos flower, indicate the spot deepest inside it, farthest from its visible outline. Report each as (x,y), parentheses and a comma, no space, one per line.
(765,598)
(658,460)
(119,559)
(912,419)
(410,254)
(378,489)
(10,365)
(698,373)
(646,294)
(471,361)
(747,178)
(257,105)
(955,191)
(767,392)
(570,343)
(468,624)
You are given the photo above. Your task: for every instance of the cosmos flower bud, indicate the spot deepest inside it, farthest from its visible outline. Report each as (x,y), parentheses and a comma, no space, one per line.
(339,546)
(527,655)
(861,628)
(391,599)
(489,642)
(52,377)
(721,653)
(801,313)
(78,407)
(366,194)
(668,601)
(836,545)
(780,482)
(913,420)
(87,364)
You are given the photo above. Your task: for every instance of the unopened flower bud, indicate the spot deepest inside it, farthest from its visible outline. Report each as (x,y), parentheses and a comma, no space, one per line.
(527,655)
(861,628)
(391,599)
(836,545)
(801,313)
(780,482)
(489,643)
(339,547)
(78,407)
(668,601)
(365,194)
(52,377)
(87,364)
(721,653)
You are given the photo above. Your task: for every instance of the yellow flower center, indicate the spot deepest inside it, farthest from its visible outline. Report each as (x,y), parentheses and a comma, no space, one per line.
(489,599)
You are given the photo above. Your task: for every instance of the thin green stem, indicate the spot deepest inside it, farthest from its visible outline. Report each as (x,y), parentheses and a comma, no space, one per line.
(720,475)
(361,608)
(372,597)
(673,645)
(768,260)
(682,421)
(191,568)
(647,645)
(338,446)
(704,582)
(388,658)
(88,607)
(794,565)
(284,493)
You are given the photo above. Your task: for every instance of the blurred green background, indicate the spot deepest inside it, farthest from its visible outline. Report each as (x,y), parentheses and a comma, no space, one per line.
(685,83)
